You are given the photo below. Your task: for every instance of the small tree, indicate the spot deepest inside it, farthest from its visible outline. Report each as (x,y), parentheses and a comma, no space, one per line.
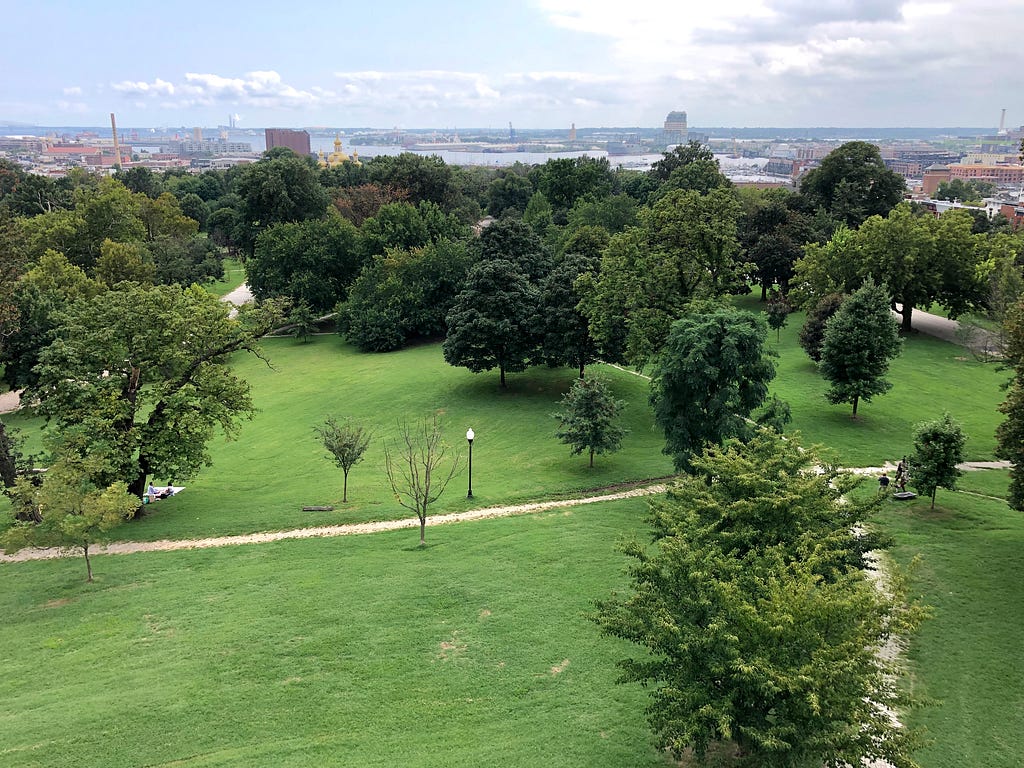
(346,443)
(69,511)
(938,448)
(588,419)
(777,309)
(303,321)
(411,465)
(860,341)
(774,415)
(812,334)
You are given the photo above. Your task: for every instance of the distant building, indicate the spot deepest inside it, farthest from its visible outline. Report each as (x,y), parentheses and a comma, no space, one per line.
(296,141)
(207,147)
(675,130)
(933,176)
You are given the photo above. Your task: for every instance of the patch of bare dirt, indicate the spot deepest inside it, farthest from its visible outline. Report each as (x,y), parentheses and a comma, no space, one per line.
(559,668)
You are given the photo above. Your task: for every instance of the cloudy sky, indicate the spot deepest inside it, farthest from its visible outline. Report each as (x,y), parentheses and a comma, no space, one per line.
(537,63)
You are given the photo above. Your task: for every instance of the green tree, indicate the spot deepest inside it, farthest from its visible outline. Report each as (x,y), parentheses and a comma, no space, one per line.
(143,372)
(852,183)
(69,509)
(310,261)
(302,321)
(510,191)
(860,341)
(938,448)
(124,261)
(587,421)
(972,190)
(760,631)
(777,311)
(414,466)
(422,178)
(281,188)
(1010,434)
(563,330)
(346,443)
(514,241)
(563,181)
(490,324)
(712,372)
(812,333)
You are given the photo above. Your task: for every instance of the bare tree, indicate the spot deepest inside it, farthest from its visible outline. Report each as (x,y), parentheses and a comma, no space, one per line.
(420,450)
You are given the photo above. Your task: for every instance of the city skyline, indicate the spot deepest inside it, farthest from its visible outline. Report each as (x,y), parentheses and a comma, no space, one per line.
(540,64)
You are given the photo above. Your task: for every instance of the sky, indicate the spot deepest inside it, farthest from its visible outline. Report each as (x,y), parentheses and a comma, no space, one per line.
(536,63)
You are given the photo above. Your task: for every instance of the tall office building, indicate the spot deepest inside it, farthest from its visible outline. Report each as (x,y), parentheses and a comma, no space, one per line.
(296,141)
(675,129)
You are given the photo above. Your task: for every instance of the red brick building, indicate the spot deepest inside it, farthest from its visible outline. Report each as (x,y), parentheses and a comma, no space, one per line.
(296,141)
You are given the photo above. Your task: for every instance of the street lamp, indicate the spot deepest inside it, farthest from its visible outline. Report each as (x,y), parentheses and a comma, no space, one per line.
(469,438)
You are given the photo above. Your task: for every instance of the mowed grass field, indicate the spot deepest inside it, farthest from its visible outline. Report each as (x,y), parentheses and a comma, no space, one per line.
(966,661)
(361,651)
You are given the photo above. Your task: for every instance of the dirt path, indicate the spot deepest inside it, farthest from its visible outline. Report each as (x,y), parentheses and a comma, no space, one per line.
(353,529)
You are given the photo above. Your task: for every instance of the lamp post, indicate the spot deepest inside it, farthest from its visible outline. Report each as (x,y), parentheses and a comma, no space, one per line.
(469,438)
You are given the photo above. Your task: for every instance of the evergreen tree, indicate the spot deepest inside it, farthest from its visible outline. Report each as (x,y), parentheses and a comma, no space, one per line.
(588,419)
(860,341)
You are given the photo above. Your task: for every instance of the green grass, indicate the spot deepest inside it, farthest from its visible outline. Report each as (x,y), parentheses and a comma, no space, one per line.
(967,657)
(234,276)
(362,651)
(989,482)
(929,377)
(276,466)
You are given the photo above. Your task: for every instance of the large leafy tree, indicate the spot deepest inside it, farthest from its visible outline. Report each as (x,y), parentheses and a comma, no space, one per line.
(422,178)
(563,181)
(404,226)
(760,630)
(587,421)
(563,330)
(512,240)
(860,341)
(490,324)
(280,188)
(812,333)
(143,373)
(1010,434)
(852,183)
(938,448)
(311,261)
(713,371)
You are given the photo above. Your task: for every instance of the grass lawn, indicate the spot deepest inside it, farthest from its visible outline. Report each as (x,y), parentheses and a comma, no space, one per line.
(929,377)
(967,658)
(234,276)
(363,651)
(261,480)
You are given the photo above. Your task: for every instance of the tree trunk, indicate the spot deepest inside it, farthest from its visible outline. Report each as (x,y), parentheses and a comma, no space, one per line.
(423,530)
(501,368)
(907,312)
(88,565)
(856,399)
(137,487)
(764,292)
(934,491)
(344,491)
(582,364)
(591,457)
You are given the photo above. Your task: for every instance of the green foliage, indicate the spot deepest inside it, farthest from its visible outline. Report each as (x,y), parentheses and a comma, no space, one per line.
(938,448)
(302,321)
(852,183)
(712,372)
(861,339)
(971,190)
(777,311)
(403,295)
(685,248)
(280,188)
(761,630)
(403,226)
(563,330)
(124,261)
(70,509)
(563,181)
(510,191)
(514,241)
(490,324)
(588,419)
(310,261)
(346,443)
(812,333)
(775,414)
(142,373)
(1010,434)
(422,178)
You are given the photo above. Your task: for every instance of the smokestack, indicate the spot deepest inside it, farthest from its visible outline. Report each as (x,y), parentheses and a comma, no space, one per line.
(117,146)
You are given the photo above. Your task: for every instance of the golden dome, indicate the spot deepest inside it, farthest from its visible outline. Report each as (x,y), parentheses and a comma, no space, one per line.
(338,156)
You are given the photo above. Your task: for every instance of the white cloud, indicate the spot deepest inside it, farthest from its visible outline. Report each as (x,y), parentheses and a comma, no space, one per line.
(73,90)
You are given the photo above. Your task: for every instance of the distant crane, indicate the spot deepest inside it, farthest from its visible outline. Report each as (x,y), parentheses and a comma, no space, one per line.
(1002,123)
(511,132)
